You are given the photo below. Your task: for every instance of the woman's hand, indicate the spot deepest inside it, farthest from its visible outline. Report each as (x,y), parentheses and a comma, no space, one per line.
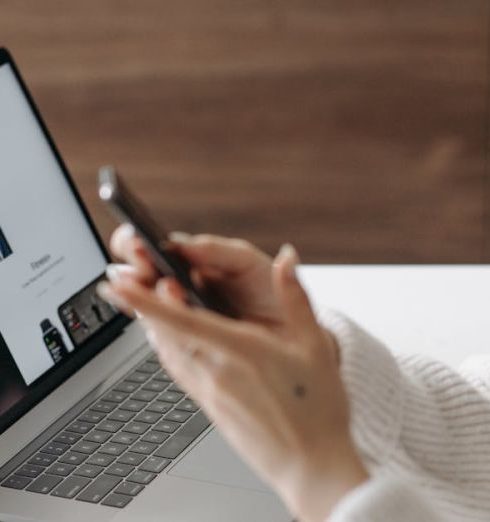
(232,268)
(274,392)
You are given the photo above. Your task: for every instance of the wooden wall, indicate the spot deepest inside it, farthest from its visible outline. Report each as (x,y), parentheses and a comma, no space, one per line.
(355,129)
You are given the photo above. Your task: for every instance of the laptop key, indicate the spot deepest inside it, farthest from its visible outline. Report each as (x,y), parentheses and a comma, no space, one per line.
(118,501)
(156,386)
(120,470)
(88,470)
(166,426)
(129,488)
(137,427)
(143,447)
(148,367)
(144,395)
(60,469)
(121,415)
(152,358)
(159,407)
(112,448)
(73,457)
(133,459)
(42,459)
(150,417)
(70,487)
(110,425)
(126,386)
(30,470)
(99,459)
(68,438)
(184,437)
(80,427)
(154,464)
(87,447)
(16,482)
(98,437)
(105,407)
(141,477)
(178,416)
(55,448)
(124,437)
(133,405)
(115,396)
(156,437)
(138,377)
(162,375)
(44,484)
(171,396)
(92,416)
(187,405)
(99,488)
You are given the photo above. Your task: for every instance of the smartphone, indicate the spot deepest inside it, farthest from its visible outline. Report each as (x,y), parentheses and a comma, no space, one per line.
(128,209)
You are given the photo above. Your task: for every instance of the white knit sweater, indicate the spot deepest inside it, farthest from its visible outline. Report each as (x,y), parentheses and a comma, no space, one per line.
(422,430)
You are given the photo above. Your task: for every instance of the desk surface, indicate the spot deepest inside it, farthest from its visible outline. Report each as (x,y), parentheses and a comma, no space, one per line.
(442,311)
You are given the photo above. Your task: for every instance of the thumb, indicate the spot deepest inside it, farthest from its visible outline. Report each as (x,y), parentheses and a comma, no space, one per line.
(298,314)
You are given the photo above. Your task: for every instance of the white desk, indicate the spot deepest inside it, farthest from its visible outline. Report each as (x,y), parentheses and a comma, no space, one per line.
(442,311)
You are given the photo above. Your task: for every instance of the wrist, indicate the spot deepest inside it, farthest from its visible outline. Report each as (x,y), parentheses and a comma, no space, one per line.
(312,491)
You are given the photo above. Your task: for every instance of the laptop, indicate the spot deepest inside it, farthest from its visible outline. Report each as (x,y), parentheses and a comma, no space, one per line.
(91,427)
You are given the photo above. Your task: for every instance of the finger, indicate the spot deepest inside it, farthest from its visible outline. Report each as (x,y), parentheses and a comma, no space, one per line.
(126,245)
(169,286)
(120,305)
(187,371)
(118,271)
(298,314)
(214,332)
(222,254)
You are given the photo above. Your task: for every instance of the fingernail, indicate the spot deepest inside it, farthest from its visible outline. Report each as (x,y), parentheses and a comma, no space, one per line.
(105,291)
(112,273)
(179,237)
(126,231)
(116,272)
(288,255)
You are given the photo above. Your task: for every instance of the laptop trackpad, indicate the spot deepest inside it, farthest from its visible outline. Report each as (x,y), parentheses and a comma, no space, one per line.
(212,460)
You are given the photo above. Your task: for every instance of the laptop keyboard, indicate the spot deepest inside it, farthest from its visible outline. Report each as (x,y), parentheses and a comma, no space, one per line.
(119,444)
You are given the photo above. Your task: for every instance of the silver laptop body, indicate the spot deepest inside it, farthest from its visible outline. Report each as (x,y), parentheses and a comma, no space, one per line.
(91,428)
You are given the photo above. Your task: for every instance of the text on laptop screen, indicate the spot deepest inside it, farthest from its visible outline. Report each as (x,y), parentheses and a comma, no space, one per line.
(49,259)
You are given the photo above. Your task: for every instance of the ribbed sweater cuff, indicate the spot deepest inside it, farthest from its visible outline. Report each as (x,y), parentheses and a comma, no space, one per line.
(384,499)
(374,386)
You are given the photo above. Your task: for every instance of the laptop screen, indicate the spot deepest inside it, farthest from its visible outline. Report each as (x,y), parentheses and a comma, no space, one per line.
(50,260)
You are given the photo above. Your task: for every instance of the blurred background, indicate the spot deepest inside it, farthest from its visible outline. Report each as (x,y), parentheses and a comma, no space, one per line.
(355,129)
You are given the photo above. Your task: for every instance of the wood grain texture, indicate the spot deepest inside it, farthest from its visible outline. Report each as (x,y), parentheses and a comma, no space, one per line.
(354,129)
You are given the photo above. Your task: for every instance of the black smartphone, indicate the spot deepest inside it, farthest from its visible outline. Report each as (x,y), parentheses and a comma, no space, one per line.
(128,209)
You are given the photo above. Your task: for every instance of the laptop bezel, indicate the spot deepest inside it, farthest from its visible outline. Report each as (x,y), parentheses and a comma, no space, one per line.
(54,377)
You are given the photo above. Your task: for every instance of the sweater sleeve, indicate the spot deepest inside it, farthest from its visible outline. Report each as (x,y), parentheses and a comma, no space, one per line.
(373,383)
(412,421)
(385,500)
